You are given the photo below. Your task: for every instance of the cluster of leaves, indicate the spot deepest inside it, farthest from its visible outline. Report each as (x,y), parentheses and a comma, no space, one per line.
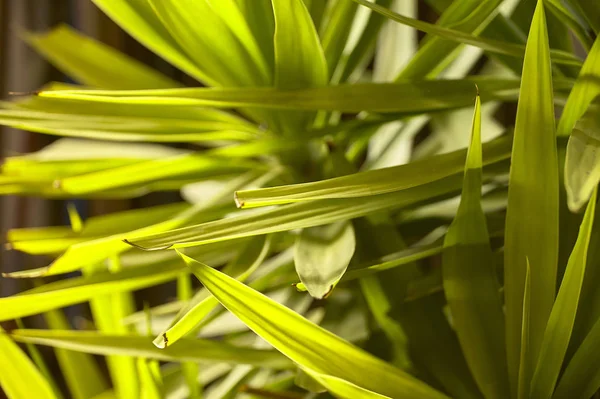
(357,202)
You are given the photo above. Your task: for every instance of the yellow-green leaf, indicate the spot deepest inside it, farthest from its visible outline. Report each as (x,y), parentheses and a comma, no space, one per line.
(19,378)
(585,90)
(138,346)
(470,283)
(95,64)
(307,344)
(532,214)
(198,308)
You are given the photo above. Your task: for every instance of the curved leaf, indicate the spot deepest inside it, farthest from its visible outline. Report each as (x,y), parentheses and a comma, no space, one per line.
(408,97)
(132,345)
(19,378)
(374,182)
(490,45)
(78,56)
(561,321)
(295,216)
(203,302)
(322,255)
(306,343)
(585,90)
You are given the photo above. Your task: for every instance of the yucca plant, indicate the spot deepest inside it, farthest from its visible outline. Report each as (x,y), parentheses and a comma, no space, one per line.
(390,261)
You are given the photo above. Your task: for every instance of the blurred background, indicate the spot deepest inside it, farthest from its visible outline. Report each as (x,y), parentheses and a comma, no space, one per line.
(23,70)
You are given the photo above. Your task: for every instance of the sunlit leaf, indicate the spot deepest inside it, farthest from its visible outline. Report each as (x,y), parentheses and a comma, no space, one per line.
(131,345)
(203,302)
(149,379)
(223,47)
(407,97)
(19,378)
(304,342)
(295,216)
(80,289)
(376,181)
(82,374)
(78,56)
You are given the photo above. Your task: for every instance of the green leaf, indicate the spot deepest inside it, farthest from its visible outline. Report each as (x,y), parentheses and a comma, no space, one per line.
(525,363)
(98,249)
(374,182)
(145,122)
(361,54)
(199,307)
(260,20)
(342,388)
(585,90)
(132,345)
(299,58)
(223,47)
(532,214)
(436,54)
(591,12)
(581,377)
(19,378)
(305,343)
(81,372)
(295,216)
(336,33)
(108,311)
(490,45)
(150,386)
(138,18)
(400,258)
(433,345)
(80,289)
(148,171)
(51,240)
(582,166)
(40,363)
(322,255)
(408,97)
(561,321)
(571,20)
(470,282)
(95,64)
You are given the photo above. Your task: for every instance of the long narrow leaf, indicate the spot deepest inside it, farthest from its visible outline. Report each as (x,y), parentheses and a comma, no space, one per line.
(78,57)
(470,280)
(561,321)
(132,345)
(305,343)
(19,378)
(374,182)
(532,214)
(295,216)
(203,302)
(465,38)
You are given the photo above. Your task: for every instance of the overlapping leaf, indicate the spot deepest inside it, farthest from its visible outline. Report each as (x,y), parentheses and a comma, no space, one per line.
(532,214)
(305,343)
(470,281)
